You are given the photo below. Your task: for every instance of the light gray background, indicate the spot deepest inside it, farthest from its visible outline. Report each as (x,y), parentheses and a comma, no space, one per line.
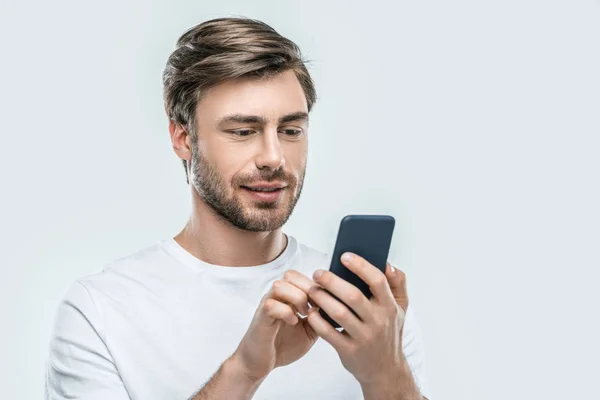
(475,123)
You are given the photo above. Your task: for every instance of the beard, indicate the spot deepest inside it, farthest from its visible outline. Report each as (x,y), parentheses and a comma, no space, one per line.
(260,216)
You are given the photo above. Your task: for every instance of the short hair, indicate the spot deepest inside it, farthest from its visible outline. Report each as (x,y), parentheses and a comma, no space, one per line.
(222,49)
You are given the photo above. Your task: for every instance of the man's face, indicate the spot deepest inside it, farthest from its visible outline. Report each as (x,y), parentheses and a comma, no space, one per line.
(249,162)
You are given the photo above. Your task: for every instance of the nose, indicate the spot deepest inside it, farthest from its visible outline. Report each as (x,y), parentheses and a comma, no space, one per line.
(270,154)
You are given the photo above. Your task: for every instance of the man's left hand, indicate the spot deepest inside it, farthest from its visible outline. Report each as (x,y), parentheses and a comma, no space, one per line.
(370,346)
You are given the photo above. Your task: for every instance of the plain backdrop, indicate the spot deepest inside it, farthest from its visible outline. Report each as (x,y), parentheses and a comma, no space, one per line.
(475,123)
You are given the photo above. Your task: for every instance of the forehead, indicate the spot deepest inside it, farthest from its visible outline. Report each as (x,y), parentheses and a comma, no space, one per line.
(272,97)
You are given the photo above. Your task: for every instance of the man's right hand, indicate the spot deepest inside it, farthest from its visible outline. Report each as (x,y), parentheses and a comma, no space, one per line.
(277,336)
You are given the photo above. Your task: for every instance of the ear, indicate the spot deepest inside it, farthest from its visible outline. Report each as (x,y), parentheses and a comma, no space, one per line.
(180,140)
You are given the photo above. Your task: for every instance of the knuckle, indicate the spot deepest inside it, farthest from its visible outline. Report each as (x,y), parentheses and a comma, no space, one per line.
(380,281)
(392,312)
(339,314)
(302,298)
(368,337)
(277,285)
(269,305)
(379,325)
(289,275)
(354,297)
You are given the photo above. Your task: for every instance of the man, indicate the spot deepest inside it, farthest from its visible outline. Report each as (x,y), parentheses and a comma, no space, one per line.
(227,309)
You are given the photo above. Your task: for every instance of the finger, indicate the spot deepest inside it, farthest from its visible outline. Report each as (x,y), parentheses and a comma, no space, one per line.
(301,281)
(346,292)
(290,294)
(397,281)
(276,310)
(324,329)
(337,311)
(370,274)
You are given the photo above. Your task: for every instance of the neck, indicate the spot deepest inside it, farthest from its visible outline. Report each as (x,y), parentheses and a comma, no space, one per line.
(209,238)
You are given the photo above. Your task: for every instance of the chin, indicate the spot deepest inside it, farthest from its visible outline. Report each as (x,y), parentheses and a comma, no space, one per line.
(263,225)
(260,219)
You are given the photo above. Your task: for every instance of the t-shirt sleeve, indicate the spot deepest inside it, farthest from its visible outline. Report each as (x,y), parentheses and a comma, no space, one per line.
(79,364)
(414,351)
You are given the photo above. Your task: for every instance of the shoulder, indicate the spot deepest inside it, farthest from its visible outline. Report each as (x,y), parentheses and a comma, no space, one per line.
(118,279)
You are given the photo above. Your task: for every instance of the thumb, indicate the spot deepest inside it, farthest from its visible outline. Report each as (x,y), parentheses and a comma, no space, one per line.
(397,282)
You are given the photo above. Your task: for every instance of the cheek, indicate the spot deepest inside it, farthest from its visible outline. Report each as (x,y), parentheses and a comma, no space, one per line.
(227,162)
(295,156)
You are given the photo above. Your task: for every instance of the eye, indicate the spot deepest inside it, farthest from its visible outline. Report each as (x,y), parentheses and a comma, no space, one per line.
(243,132)
(292,132)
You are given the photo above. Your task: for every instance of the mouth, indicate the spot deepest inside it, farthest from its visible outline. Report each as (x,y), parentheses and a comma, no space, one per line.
(265,186)
(261,189)
(265,192)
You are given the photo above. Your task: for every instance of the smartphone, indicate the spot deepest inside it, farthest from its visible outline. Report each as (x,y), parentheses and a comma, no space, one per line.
(369,236)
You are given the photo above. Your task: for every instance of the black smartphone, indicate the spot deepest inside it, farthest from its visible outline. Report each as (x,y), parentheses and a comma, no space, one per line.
(369,236)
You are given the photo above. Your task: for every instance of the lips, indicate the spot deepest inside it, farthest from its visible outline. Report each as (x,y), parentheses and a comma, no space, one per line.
(265,191)
(262,189)
(265,186)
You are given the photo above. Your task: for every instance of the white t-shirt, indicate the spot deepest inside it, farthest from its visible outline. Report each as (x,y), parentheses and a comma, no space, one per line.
(158,323)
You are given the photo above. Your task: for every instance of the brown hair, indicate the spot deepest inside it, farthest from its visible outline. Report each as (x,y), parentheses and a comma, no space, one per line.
(222,49)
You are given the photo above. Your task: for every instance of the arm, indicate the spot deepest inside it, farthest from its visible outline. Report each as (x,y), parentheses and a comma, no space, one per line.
(81,367)
(276,337)
(229,382)
(79,364)
(400,385)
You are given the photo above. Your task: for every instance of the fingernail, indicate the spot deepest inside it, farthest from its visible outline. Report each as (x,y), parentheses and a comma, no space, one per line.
(318,273)
(347,257)
(392,268)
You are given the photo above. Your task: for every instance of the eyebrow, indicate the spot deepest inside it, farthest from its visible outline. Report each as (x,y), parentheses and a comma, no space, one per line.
(259,119)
